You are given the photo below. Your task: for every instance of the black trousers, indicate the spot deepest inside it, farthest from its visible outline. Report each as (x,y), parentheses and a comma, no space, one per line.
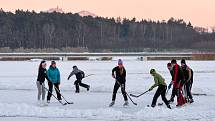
(51,88)
(174,93)
(160,91)
(188,89)
(78,83)
(115,89)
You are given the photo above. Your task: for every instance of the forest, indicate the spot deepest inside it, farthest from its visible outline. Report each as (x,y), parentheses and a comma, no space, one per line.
(31,30)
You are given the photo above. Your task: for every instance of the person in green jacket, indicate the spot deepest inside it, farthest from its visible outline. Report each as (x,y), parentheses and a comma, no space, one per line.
(160,82)
(54,76)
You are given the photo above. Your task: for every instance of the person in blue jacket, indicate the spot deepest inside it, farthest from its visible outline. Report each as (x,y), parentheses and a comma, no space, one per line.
(54,76)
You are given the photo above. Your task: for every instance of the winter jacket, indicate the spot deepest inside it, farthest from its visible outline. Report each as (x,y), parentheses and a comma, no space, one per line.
(120,74)
(159,80)
(78,73)
(53,75)
(178,76)
(42,75)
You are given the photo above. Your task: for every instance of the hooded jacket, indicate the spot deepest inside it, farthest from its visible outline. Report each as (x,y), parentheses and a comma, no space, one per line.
(53,75)
(159,80)
(78,73)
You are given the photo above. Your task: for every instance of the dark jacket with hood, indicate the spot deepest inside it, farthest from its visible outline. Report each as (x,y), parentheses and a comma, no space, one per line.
(78,73)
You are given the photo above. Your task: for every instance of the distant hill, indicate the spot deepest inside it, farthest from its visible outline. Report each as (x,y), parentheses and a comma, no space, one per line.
(87,13)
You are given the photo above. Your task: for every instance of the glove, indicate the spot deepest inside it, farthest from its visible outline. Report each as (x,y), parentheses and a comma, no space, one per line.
(178,91)
(150,89)
(169,86)
(49,82)
(113,76)
(68,78)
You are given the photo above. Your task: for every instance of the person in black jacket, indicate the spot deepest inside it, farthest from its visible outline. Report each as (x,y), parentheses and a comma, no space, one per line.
(40,82)
(119,73)
(79,76)
(174,90)
(188,74)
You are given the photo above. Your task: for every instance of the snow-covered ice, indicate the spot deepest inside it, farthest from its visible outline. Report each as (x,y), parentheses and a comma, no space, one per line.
(18,93)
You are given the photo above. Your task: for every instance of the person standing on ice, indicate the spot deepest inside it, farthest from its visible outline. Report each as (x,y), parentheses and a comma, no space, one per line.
(54,76)
(188,74)
(79,76)
(40,82)
(178,81)
(174,90)
(119,74)
(161,90)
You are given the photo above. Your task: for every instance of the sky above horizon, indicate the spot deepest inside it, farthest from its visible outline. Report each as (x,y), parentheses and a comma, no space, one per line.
(199,12)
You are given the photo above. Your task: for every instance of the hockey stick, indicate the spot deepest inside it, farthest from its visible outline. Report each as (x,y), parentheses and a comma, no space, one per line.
(63,96)
(53,95)
(127,94)
(139,94)
(89,75)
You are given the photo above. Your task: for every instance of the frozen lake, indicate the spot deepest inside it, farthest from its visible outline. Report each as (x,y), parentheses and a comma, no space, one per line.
(18,93)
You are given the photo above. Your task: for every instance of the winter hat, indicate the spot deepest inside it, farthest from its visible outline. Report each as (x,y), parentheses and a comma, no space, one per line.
(42,62)
(173,61)
(169,64)
(74,66)
(120,62)
(183,61)
(152,71)
(53,62)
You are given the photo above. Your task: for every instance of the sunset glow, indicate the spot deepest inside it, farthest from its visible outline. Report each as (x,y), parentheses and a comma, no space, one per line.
(199,12)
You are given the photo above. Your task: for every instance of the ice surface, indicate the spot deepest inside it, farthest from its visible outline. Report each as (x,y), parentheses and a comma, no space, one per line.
(18,93)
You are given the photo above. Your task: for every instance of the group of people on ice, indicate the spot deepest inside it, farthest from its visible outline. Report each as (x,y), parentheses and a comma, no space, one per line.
(182,79)
(52,75)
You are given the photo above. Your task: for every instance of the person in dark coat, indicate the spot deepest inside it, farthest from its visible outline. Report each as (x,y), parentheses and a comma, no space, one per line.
(188,74)
(42,75)
(79,76)
(174,90)
(119,74)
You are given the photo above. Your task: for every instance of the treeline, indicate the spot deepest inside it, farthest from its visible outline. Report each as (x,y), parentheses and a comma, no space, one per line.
(31,30)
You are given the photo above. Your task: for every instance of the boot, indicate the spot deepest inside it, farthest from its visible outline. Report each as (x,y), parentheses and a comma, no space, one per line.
(48,101)
(88,88)
(126,103)
(191,100)
(152,105)
(168,106)
(112,103)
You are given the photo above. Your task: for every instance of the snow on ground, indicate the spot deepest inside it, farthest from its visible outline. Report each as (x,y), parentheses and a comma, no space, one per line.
(18,93)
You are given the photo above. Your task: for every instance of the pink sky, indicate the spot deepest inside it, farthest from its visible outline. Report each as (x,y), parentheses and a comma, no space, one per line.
(199,12)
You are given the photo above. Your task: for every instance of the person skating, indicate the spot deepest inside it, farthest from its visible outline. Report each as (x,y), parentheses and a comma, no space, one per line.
(178,81)
(174,90)
(188,74)
(79,76)
(161,90)
(42,75)
(54,76)
(119,74)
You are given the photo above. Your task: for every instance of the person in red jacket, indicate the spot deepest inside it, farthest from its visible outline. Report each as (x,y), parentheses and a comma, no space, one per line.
(178,81)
